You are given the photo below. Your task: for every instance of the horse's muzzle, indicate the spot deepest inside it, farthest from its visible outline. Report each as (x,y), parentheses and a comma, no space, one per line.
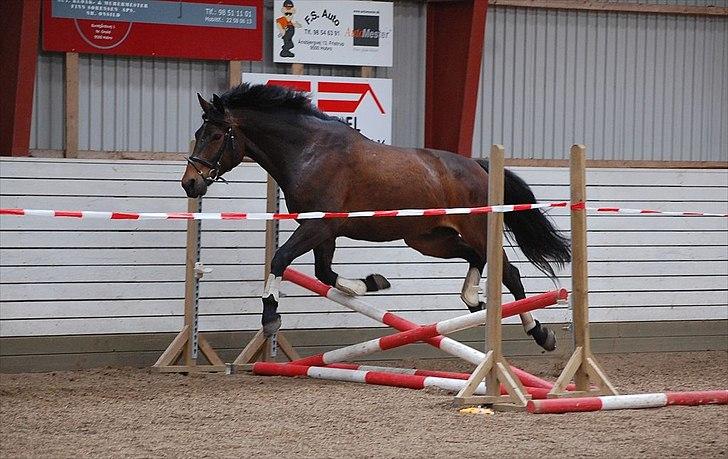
(194,187)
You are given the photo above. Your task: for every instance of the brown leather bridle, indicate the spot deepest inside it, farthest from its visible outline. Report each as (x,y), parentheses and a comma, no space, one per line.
(214,165)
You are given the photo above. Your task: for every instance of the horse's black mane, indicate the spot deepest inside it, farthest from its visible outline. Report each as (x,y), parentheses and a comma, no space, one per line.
(270,97)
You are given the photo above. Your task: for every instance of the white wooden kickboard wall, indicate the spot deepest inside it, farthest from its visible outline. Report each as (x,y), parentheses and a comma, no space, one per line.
(71,277)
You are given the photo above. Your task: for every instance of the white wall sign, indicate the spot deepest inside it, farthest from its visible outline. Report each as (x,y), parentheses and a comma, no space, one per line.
(326,32)
(364,103)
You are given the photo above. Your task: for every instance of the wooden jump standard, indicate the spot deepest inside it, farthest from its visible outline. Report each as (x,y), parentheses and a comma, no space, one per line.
(588,376)
(582,366)
(493,368)
(182,354)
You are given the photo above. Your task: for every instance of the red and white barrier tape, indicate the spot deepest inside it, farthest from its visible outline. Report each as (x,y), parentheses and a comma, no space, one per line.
(620,210)
(91,214)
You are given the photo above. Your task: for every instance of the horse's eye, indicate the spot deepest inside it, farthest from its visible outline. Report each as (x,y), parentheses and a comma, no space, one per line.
(216,136)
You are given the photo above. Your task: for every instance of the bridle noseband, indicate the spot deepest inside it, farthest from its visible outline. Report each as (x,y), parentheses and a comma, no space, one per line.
(214,165)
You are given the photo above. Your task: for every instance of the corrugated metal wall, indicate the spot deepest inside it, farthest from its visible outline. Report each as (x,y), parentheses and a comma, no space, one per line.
(630,86)
(136,104)
(125,104)
(719,3)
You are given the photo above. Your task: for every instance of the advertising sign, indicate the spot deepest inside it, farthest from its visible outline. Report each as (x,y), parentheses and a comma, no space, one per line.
(365,104)
(339,33)
(192,29)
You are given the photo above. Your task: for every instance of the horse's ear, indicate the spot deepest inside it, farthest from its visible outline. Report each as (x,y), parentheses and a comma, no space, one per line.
(217,102)
(206,106)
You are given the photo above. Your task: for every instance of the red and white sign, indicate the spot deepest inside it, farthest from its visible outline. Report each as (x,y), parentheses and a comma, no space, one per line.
(192,29)
(365,104)
(333,32)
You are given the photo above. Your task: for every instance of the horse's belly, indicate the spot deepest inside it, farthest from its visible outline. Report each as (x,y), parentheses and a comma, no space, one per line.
(385,228)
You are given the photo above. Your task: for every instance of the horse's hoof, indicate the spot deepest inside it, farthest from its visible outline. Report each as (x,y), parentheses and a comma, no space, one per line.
(270,320)
(477,308)
(271,328)
(376,282)
(543,336)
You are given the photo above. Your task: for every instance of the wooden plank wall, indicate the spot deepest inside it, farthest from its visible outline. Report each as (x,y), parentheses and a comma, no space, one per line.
(70,278)
(66,277)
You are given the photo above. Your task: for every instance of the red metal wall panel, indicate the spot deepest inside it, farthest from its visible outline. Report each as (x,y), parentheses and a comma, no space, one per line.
(455,36)
(19,49)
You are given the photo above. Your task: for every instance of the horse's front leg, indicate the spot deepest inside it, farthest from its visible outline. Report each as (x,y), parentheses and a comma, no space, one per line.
(324,256)
(310,234)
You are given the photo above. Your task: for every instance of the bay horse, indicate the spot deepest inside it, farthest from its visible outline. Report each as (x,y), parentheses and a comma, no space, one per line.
(322,164)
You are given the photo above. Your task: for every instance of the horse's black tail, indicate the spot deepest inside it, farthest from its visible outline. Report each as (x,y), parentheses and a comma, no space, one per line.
(535,234)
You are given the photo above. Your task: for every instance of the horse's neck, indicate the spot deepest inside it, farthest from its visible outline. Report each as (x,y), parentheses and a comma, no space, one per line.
(277,146)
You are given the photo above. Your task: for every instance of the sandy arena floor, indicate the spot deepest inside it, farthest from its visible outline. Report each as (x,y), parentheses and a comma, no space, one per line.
(134,413)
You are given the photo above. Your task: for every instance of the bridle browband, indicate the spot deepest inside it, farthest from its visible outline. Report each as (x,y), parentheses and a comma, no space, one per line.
(214,165)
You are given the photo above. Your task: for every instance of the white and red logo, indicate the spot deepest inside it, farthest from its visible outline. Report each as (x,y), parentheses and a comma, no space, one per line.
(364,103)
(103,34)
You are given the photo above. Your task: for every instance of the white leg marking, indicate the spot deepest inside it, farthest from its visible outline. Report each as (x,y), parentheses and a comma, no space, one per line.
(527,321)
(470,293)
(272,286)
(351,286)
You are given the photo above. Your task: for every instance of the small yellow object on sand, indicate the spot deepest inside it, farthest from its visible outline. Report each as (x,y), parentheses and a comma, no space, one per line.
(476,410)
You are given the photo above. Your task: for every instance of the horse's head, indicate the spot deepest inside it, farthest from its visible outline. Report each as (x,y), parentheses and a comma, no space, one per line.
(218,148)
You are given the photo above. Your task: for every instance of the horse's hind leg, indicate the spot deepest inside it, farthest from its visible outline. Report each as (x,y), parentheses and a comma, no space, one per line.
(324,255)
(470,294)
(447,243)
(543,336)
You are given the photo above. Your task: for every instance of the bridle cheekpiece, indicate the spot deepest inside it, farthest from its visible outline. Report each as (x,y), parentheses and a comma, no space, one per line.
(214,165)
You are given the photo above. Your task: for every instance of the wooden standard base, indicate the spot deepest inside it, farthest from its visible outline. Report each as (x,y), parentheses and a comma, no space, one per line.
(191,369)
(179,351)
(590,378)
(494,371)
(259,349)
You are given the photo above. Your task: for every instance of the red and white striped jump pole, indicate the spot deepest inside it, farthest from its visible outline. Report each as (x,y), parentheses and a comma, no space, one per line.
(404,371)
(536,392)
(627,402)
(408,381)
(423,332)
(444,343)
